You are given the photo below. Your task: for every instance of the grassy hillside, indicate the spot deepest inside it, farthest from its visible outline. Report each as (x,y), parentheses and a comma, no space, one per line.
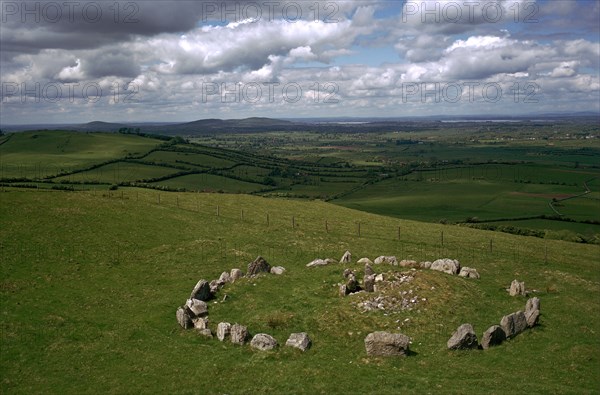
(433,181)
(90,282)
(80,160)
(489,193)
(41,154)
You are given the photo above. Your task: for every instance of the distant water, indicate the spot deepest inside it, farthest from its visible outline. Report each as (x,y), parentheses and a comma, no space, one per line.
(485,120)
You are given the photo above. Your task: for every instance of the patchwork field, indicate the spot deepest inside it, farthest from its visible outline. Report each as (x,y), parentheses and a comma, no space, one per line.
(538,188)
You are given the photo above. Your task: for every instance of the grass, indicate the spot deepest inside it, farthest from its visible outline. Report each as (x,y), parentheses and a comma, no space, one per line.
(92,308)
(487,192)
(211,182)
(47,153)
(197,159)
(114,173)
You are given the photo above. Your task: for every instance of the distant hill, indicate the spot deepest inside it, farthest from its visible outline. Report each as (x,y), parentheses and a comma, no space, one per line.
(98,126)
(340,124)
(210,126)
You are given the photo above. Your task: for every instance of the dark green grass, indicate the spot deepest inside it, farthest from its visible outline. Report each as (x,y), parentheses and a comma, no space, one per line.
(90,283)
(211,182)
(318,189)
(487,192)
(118,172)
(581,208)
(47,153)
(186,158)
(453,200)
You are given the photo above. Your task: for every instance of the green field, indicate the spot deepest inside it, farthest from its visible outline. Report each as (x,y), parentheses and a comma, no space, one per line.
(452,199)
(118,172)
(90,283)
(188,158)
(42,154)
(455,176)
(211,183)
(488,193)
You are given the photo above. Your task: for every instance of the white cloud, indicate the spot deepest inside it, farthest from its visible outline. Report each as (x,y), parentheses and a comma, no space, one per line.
(71,73)
(169,63)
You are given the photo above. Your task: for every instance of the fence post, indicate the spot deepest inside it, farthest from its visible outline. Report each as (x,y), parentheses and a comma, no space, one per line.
(293,222)
(326,227)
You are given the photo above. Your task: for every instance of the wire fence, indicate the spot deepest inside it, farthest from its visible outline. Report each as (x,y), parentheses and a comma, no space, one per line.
(402,239)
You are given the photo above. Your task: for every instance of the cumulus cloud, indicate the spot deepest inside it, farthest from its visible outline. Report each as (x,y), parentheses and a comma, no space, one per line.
(167,53)
(246,46)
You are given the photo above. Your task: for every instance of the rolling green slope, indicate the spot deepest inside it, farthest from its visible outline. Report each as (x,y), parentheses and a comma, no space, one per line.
(488,192)
(46,153)
(90,282)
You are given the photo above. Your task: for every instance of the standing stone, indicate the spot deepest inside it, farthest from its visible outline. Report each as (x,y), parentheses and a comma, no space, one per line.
(343,291)
(386,344)
(514,323)
(464,338)
(224,278)
(198,308)
(239,334)
(201,291)
(352,284)
(184,319)
(235,274)
(223,330)
(449,266)
(278,270)
(390,260)
(215,286)
(517,288)
(532,317)
(468,272)
(369,283)
(364,261)
(532,304)
(259,265)
(346,258)
(300,341)
(532,312)
(200,323)
(492,337)
(263,342)
(369,270)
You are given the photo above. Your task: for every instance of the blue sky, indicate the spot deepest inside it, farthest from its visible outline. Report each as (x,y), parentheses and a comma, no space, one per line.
(181,61)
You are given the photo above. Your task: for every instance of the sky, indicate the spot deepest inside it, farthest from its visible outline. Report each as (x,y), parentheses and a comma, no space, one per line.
(158,61)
